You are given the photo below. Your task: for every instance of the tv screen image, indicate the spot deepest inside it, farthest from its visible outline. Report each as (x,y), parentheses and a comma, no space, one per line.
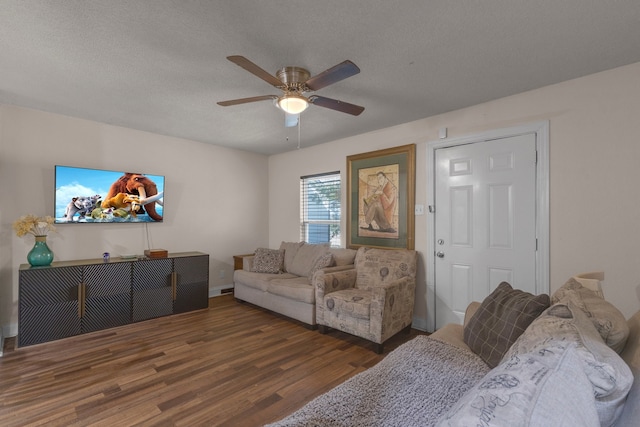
(86,195)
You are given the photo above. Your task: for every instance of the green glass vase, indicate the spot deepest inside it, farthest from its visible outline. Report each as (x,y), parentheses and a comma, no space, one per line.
(40,255)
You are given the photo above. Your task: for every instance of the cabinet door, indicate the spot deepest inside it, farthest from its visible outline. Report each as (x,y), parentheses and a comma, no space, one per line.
(107,296)
(192,291)
(152,292)
(48,304)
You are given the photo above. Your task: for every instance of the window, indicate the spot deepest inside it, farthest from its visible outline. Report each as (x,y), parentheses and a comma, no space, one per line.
(320,208)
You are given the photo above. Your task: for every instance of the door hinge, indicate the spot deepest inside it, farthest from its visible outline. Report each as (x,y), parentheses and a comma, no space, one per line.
(431,208)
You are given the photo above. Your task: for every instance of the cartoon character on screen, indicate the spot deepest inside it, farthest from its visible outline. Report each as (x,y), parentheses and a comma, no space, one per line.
(81,205)
(139,191)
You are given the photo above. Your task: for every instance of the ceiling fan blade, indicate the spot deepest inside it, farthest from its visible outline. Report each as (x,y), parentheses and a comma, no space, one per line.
(334,104)
(246,100)
(255,70)
(332,75)
(291,120)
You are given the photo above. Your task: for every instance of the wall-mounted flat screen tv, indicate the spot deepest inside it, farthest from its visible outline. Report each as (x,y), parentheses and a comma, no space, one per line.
(97,196)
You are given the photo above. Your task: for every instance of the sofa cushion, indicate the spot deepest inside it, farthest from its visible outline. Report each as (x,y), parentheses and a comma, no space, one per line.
(268,261)
(305,258)
(606,318)
(501,318)
(323,261)
(343,256)
(290,251)
(350,303)
(564,325)
(296,288)
(258,281)
(538,389)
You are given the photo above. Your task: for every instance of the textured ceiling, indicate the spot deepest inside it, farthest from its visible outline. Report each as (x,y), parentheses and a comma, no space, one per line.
(160,66)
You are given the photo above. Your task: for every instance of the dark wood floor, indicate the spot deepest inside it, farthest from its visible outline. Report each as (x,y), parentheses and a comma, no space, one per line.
(231,365)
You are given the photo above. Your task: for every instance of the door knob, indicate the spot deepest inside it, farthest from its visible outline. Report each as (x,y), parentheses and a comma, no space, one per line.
(440,254)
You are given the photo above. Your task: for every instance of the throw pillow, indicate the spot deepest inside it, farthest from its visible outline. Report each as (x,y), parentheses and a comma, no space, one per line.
(564,325)
(305,258)
(606,318)
(323,261)
(268,261)
(500,320)
(290,251)
(537,389)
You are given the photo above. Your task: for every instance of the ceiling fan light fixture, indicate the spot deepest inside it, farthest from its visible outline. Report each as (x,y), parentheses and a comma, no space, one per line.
(293,104)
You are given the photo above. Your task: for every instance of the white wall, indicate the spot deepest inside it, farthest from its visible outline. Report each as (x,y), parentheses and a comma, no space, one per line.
(594,153)
(215,198)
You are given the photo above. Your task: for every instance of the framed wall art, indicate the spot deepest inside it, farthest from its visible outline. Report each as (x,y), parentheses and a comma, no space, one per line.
(381,198)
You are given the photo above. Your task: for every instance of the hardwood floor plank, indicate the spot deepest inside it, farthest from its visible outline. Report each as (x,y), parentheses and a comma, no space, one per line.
(231,365)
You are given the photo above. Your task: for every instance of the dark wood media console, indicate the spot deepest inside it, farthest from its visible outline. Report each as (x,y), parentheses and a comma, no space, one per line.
(74,297)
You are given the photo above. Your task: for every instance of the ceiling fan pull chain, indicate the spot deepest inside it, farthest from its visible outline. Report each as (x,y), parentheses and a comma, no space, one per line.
(299,121)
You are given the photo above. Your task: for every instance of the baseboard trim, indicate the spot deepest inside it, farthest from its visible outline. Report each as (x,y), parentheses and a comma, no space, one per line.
(419,324)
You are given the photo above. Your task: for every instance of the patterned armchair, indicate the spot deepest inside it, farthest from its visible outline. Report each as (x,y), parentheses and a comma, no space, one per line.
(374,300)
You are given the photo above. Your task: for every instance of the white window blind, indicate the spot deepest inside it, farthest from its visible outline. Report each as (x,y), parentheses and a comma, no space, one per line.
(320,208)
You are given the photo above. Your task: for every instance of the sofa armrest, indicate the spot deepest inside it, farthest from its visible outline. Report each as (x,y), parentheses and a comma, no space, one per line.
(471,310)
(453,334)
(247,262)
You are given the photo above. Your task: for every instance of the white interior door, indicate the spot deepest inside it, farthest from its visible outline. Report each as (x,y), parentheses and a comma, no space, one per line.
(485,221)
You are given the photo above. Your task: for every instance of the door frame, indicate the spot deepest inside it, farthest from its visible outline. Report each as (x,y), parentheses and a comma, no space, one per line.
(541,130)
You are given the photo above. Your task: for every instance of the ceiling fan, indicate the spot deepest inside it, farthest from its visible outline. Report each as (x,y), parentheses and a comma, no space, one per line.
(294,83)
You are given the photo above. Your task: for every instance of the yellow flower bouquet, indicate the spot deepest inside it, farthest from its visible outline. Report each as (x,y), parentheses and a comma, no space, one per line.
(31,224)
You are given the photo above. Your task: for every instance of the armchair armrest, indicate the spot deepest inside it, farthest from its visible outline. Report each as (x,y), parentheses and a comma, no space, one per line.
(404,287)
(471,310)
(337,268)
(326,282)
(392,307)
(328,270)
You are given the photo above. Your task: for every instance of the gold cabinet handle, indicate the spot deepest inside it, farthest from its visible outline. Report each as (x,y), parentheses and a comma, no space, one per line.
(174,285)
(84,298)
(81,299)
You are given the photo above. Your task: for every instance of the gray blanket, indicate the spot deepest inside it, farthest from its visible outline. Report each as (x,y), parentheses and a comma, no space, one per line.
(413,386)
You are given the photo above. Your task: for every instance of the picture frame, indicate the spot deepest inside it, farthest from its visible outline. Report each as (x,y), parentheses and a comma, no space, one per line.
(381,198)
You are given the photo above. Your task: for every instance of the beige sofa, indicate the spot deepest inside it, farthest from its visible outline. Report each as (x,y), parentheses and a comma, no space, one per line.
(561,371)
(283,284)
(630,413)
